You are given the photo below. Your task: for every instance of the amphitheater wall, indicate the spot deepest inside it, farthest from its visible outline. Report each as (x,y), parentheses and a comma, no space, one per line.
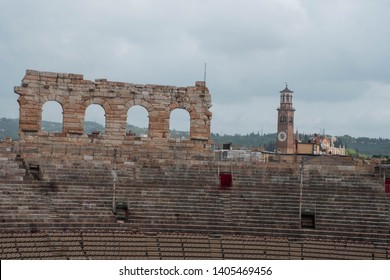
(75,94)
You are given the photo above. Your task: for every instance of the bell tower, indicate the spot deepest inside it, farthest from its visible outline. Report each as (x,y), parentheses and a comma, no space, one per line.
(285,136)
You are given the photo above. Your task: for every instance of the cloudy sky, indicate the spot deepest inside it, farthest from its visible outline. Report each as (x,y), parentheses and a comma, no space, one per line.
(335,55)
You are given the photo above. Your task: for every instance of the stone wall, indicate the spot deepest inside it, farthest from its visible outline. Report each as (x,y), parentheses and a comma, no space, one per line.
(75,94)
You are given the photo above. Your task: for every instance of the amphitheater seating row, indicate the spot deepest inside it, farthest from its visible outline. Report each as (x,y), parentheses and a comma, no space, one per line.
(133,245)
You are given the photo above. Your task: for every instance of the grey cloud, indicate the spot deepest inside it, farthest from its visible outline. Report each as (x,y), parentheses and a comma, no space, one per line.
(330,52)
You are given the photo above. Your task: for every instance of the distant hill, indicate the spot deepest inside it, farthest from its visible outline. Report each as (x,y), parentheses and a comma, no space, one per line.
(250,140)
(362,145)
(9,128)
(365,145)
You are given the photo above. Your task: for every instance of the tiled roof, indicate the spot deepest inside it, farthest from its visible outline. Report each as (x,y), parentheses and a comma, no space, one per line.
(286,90)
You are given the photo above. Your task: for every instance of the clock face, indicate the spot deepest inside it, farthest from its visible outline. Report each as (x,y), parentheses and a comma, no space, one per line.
(282,136)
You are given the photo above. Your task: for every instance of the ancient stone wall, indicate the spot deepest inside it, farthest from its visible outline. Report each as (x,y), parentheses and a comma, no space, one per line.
(75,94)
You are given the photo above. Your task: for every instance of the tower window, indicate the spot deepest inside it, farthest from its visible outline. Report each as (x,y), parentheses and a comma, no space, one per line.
(283,118)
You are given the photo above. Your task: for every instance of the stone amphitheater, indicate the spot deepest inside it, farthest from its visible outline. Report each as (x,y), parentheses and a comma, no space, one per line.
(116,196)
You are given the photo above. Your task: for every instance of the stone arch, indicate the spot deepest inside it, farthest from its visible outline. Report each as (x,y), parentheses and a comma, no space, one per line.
(182,127)
(176,105)
(50,104)
(96,100)
(98,110)
(137,116)
(44,99)
(138,102)
(52,97)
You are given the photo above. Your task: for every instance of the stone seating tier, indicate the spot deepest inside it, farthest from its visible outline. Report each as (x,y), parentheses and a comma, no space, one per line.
(169,199)
(135,245)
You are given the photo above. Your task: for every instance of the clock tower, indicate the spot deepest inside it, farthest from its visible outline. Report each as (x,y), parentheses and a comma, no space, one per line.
(285,136)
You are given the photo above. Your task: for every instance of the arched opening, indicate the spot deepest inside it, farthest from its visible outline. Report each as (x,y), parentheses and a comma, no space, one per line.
(52,117)
(179,124)
(137,121)
(94,119)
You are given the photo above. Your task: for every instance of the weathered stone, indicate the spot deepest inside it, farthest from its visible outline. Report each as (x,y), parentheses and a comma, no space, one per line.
(75,94)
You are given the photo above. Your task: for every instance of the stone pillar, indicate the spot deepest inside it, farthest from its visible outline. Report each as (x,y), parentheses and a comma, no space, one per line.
(30,113)
(115,126)
(73,121)
(159,123)
(200,115)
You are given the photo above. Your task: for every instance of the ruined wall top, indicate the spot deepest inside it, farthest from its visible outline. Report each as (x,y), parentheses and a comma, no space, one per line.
(61,81)
(75,94)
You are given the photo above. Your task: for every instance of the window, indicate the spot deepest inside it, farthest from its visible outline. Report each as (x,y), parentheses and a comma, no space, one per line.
(137,121)
(52,117)
(283,118)
(179,124)
(95,119)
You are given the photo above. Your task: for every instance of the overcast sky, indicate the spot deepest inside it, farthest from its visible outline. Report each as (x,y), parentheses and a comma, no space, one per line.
(335,55)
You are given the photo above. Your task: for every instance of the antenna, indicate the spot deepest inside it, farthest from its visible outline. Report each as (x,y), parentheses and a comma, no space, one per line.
(204,77)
